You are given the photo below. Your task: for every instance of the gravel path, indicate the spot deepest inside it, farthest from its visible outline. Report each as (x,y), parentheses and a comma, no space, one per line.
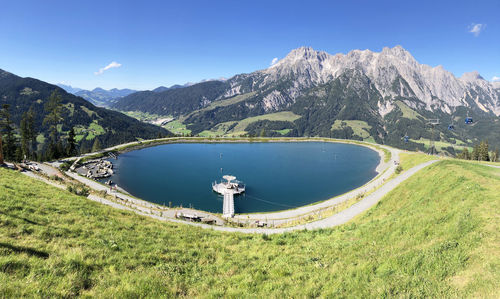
(366,203)
(143,207)
(332,221)
(99,187)
(287,214)
(495,166)
(48,170)
(343,216)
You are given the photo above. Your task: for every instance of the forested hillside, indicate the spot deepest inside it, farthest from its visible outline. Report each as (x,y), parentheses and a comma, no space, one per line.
(90,123)
(173,101)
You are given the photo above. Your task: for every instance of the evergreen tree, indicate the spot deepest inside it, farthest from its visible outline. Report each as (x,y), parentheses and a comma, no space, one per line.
(25,138)
(496,154)
(71,148)
(263,133)
(7,130)
(475,153)
(464,154)
(1,150)
(53,108)
(18,154)
(59,149)
(84,147)
(31,132)
(484,151)
(97,145)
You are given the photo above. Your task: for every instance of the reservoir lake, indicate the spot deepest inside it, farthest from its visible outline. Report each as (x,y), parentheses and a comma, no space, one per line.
(277,175)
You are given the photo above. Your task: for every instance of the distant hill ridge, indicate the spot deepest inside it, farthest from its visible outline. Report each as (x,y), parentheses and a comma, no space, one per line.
(105,98)
(89,121)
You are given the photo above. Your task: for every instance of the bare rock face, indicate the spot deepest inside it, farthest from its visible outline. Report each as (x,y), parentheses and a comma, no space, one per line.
(393,71)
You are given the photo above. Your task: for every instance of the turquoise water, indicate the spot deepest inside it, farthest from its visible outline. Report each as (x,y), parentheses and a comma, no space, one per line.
(278,176)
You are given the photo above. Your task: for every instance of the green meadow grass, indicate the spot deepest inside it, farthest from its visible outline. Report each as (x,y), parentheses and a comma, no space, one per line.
(442,144)
(277,116)
(436,235)
(177,127)
(359,127)
(142,116)
(222,129)
(407,111)
(229,101)
(411,159)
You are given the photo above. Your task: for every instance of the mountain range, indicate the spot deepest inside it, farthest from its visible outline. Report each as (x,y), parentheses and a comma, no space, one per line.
(88,121)
(98,96)
(385,97)
(380,96)
(105,98)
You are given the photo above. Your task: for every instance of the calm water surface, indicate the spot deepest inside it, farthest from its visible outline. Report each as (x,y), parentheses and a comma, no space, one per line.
(278,176)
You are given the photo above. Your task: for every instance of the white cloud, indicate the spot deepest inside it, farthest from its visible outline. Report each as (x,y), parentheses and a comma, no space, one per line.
(476,28)
(495,79)
(109,66)
(275,59)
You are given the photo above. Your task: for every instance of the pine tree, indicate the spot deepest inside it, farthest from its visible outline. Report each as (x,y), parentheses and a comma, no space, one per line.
(475,153)
(53,117)
(1,150)
(32,132)
(97,145)
(84,147)
(18,154)
(71,149)
(484,151)
(464,154)
(7,130)
(496,153)
(25,138)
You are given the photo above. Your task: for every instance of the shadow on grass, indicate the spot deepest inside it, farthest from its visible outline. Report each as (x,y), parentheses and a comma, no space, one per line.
(22,218)
(27,250)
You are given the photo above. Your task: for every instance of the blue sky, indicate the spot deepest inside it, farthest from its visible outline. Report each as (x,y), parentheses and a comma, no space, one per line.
(153,43)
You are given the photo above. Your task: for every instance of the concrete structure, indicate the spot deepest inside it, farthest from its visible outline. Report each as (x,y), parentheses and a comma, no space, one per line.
(96,169)
(228,189)
(228,205)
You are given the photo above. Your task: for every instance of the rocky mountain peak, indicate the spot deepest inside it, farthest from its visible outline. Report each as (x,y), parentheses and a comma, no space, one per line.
(301,55)
(398,52)
(471,76)
(393,71)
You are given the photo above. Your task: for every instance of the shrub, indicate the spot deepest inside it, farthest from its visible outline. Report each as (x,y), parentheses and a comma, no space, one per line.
(399,169)
(79,189)
(65,166)
(56,178)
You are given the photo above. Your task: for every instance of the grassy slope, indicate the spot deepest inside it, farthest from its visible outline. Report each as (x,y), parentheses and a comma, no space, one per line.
(177,127)
(239,129)
(407,111)
(284,116)
(411,159)
(142,116)
(359,127)
(230,101)
(436,235)
(442,144)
